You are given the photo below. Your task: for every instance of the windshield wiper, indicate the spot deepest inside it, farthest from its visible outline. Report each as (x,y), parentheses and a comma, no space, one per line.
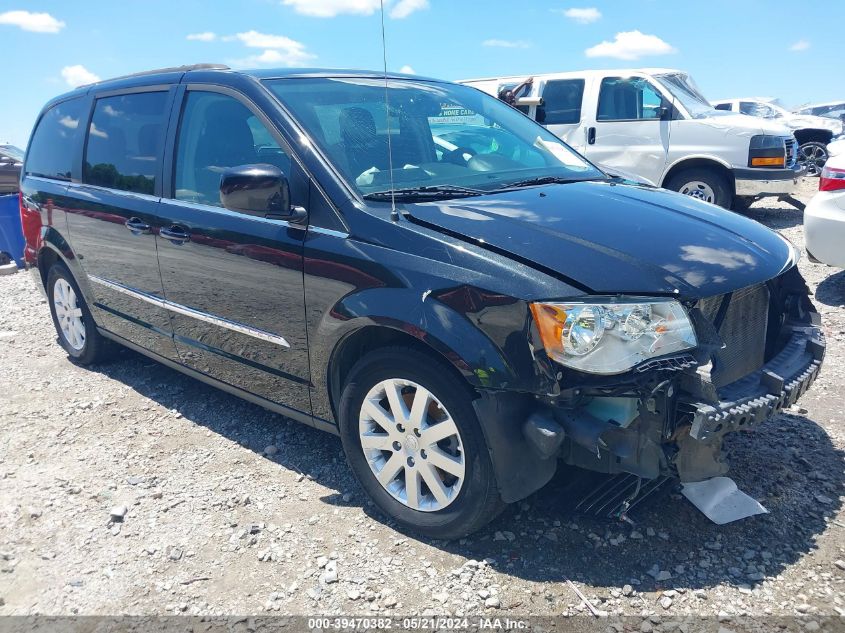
(429,192)
(540,180)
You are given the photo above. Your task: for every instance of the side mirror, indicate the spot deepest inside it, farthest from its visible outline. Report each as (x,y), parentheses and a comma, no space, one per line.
(261,190)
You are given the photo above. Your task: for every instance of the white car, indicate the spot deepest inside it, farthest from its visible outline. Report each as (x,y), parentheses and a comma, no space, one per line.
(824,217)
(830,110)
(813,133)
(654,123)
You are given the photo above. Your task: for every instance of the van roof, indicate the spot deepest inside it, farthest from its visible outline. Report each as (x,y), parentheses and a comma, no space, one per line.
(579,73)
(174,75)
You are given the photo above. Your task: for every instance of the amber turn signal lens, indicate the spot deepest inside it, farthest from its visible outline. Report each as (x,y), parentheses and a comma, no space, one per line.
(550,320)
(773,161)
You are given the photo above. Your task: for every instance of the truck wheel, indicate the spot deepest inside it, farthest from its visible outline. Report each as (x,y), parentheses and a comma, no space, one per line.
(704,184)
(412,439)
(75,326)
(812,155)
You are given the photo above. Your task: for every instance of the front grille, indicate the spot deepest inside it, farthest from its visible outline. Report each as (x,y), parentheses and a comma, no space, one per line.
(791,151)
(742,329)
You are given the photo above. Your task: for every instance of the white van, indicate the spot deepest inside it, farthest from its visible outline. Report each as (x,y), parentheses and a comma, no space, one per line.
(656,124)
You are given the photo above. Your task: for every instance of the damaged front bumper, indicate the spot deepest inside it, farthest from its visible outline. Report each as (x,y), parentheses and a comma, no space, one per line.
(758,396)
(670,418)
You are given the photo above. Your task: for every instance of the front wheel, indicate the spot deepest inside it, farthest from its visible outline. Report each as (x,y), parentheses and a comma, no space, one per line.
(812,155)
(75,326)
(705,184)
(412,439)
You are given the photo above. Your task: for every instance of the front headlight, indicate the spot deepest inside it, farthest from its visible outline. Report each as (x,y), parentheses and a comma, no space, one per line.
(614,336)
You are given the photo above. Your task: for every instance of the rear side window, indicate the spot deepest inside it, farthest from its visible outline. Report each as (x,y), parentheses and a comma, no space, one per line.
(561,102)
(628,99)
(54,140)
(123,149)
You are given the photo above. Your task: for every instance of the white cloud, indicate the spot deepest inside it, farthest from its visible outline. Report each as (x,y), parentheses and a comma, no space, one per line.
(506,43)
(583,16)
(331,8)
(278,49)
(404,8)
(206,36)
(408,70)
(800,45)
(631,45)
(78,75)
(35,22)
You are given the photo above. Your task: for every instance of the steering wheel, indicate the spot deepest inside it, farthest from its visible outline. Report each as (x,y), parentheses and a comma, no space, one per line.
(457,155)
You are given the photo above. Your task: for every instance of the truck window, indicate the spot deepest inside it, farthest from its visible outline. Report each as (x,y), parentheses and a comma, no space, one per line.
(754,108)
(723,106)
(123,148)
(54,140)
(522,93)
(561,102)
(628,99)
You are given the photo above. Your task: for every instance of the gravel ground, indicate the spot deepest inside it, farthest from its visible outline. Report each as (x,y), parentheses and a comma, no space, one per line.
(230,509)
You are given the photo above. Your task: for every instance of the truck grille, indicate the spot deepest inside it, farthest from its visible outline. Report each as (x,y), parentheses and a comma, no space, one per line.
(791,151)
(742,329)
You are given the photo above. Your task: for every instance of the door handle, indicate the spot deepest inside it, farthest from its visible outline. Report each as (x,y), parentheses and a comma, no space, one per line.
(591,136)
(137,226)
(176,234)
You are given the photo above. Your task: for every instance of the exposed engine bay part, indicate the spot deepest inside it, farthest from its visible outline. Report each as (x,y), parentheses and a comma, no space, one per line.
(696,460)
(606,447)
(543,434)
(721,501)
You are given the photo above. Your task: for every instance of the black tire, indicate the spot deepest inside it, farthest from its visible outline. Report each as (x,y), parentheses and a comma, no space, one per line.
(95,348)
(812,155)
(478,501)
(742,204)
(718,184)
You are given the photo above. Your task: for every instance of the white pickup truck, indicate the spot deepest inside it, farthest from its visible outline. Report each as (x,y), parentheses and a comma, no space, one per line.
(656,124)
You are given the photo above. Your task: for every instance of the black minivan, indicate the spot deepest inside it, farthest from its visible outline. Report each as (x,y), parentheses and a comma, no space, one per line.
(417,267)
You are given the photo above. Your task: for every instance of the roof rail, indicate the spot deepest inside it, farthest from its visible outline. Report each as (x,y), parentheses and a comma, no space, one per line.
(156,71)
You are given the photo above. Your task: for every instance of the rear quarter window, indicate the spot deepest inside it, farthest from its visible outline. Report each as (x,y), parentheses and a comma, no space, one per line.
(54,141)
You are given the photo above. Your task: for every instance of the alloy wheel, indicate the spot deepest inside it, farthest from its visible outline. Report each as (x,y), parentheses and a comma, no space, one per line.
(700,190)
(69,314)
(812,156)
(412,445)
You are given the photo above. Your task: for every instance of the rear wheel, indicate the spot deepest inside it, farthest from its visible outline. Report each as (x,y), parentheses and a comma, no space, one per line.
(77,332)
(412,439)
(704,184)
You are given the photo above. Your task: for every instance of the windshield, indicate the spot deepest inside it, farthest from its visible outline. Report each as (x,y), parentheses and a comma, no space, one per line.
(683,88)
(441,135)
(11,150)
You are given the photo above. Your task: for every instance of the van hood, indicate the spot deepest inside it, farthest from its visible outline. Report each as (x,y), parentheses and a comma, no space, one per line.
(607,238)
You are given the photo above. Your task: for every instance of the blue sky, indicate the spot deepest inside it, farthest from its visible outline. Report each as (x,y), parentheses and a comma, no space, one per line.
(780,48)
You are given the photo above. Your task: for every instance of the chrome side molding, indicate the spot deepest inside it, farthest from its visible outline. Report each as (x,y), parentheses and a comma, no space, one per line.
(178,308)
